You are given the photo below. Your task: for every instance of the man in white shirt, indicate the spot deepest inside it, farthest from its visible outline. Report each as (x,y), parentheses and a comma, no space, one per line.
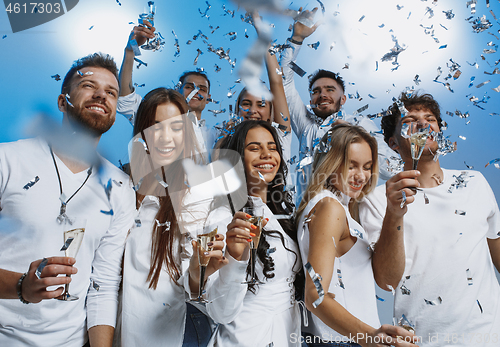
(44,188)
(326,89)
(129,100)
(436,248)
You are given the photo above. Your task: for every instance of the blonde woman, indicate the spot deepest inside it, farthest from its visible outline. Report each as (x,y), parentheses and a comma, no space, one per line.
(337,248)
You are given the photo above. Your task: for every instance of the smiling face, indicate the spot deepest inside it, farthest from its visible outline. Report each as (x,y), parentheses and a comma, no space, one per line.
(167,134)
(359,170)
(254,108)
(422,118)
(93,99)
(260,155)
(200,100)
(327,94)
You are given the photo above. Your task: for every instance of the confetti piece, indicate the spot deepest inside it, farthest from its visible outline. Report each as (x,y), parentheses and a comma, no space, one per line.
(316,278)
(297,69)
(109,213)
(39,269)
(216,112)
(403,201)
(443,46)
(339,276)
(81,74)
(460,212)
(479,306)
(161,181)
(462,137)
(270,251)
(314,45)
(379,298)
(31,183)
(362,17)
(138,222)
(67,100)
(67,243)
(176,44)
(56,77)
(460,181)
(140,62)
(95,285)
(495,162)
(405,290)
(3,37)
(405,323)
(469,166)
(436,302)
(322,6)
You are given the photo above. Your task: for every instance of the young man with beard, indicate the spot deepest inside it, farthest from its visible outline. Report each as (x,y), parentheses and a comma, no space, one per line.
(129,100)
(44,188)
(437,245)
(327,94)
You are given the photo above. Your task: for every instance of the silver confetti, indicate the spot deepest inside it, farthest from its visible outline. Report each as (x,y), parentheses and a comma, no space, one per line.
(31,183)
(339,276)
(403,201)
(316,278)
(39,269)
(469,277)
(67,243)
(95,286)
(67,100)
(436,302)
(161,181)
(297,69)
(460,212)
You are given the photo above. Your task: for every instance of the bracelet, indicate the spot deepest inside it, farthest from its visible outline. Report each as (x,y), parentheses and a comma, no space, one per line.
(295,41)
(19,288)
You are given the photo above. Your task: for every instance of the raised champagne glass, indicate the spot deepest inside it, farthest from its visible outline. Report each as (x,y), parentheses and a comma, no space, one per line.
(73,236)
(206,236)
(150,16)
(257,217)
(418,138)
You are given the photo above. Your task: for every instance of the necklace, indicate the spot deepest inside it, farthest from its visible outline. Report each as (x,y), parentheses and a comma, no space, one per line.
(62,212)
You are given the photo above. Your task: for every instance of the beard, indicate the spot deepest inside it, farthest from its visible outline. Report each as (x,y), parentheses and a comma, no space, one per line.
(325,113)
(89,121)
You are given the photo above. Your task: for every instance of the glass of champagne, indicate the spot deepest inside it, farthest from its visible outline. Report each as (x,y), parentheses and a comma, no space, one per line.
(205,236)
(418,138)
(73,236)
(150,18)
(257,216)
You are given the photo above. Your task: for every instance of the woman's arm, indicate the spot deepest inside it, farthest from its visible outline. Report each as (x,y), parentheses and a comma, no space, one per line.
(328,233)
(280,107)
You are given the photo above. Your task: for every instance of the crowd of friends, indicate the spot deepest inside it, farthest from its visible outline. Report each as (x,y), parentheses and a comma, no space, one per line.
(304,274)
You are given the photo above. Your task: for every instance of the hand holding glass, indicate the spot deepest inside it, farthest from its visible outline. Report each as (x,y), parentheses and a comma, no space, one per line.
(257,216)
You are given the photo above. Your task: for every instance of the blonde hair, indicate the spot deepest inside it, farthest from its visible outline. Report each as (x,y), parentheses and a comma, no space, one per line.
(336,160)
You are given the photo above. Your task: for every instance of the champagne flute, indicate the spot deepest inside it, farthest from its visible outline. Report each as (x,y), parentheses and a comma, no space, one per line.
(73,236)
(206,236)
(150,18)
(257,216)
(418,138)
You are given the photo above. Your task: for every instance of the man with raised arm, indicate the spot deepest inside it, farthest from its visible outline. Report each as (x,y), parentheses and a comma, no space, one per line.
(327,93)
(194,85)
(436,248)
(44,188)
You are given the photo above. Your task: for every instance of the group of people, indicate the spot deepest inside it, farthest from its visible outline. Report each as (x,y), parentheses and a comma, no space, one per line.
(431,235)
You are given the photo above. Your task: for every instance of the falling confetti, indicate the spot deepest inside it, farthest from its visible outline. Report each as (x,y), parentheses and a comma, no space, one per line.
(31,183)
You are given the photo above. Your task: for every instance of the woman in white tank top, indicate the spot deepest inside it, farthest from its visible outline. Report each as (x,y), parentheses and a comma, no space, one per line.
(334,244)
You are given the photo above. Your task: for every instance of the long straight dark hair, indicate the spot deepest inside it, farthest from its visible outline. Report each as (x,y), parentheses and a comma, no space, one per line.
(162,247)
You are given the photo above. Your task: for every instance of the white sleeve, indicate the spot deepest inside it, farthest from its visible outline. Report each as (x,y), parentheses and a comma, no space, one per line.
(297,108)
(102,304)
(226,293)
(127,105)
(494,215)
(372,212)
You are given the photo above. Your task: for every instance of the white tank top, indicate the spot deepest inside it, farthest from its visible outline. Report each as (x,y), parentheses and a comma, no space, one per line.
(352,280)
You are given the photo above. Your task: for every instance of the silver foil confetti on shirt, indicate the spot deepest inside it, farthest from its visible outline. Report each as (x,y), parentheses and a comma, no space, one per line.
(437,301)
(406,324)
(460,181)
(31,183)
(339,276)
(316,278)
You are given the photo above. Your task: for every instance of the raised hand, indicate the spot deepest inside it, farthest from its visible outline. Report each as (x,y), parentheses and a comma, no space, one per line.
(301,31)
(396,185)
(239,233)
(141,33)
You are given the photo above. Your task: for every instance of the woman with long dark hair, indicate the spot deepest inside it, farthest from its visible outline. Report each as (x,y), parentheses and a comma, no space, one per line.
(157,270)
(258,314)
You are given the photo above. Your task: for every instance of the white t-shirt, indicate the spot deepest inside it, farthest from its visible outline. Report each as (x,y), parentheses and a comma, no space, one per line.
(449,290)
(352,281)
(31,212)
(271,315)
